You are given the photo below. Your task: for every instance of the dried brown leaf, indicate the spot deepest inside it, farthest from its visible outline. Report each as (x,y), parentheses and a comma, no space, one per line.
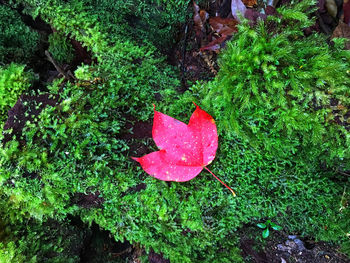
(342,30)
(250,3)
(214,45)
(223,26)
(204,15)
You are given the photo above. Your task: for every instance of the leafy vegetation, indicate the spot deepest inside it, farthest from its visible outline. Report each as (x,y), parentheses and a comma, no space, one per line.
(60,48)
(40,242)
(276,87)
(273,96)
(267,226)
(275,134)
(18,42)
(13,81)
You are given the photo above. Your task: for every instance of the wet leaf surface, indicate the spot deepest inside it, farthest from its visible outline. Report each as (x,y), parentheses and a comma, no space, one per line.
(184,149)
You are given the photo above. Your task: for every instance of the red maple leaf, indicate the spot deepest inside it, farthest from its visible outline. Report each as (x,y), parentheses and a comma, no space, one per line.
(184,149)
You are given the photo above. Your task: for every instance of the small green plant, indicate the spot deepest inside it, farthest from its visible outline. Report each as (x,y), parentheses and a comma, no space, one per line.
(60,48)
(267,226)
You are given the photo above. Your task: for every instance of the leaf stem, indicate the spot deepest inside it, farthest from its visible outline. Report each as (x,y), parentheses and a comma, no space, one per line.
(229,188)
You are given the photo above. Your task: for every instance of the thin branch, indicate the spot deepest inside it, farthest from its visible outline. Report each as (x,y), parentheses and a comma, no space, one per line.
(58,68)
(346,174)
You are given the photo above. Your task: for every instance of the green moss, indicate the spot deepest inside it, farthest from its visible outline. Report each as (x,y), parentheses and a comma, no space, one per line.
(18,42)
(275,90)
(152,21)
(14,80)
(52,241)
(79,146)
(60,48)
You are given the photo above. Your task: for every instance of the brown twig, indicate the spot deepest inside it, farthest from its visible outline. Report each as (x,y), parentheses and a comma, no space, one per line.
(184,49)
(66,75)
(125,251)
(346,174)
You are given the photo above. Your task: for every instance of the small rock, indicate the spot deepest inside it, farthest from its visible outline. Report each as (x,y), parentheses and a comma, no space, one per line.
(300,244)
(291,244)
(283,248)
(292,237)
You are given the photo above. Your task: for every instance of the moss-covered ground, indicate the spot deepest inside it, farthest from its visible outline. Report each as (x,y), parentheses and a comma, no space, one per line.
(78,80)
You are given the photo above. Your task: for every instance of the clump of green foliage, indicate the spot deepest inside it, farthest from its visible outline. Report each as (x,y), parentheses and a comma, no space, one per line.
(14,80)
(33,242)
(155,21)
(18,42)
(79,147)
(60,48)
(267,226)
(276,86)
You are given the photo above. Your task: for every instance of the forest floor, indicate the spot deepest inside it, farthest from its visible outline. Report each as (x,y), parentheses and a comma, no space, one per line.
(195,53)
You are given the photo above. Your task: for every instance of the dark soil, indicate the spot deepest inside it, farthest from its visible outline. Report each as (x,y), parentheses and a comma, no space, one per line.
(341,114)
(134,129)
(134,133)
(26,109)
(91,200)
(135,189)
(156,258)
(283,248)
(99,246)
